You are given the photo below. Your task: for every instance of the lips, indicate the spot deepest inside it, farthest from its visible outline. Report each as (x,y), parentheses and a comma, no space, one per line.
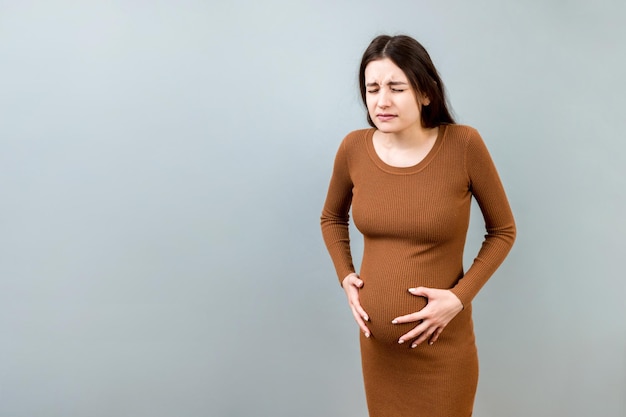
(384,117)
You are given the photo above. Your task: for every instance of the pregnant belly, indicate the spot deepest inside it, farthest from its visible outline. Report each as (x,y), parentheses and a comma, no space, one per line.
(383,303)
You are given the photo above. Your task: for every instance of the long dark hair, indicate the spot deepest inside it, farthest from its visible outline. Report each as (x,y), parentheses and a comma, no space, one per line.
(411,57)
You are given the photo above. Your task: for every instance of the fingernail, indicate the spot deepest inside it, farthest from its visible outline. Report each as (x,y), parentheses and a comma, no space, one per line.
(400,341)
(366,318)
(431,343)
(414,345)
(412,289)
(394,321)
(367,334)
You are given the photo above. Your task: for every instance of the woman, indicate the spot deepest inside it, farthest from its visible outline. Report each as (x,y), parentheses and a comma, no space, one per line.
(409,181)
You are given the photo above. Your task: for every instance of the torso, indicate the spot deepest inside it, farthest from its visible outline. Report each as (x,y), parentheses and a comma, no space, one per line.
(413,219)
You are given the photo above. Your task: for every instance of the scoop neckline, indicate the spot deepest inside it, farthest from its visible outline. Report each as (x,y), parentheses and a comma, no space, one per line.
(404,170)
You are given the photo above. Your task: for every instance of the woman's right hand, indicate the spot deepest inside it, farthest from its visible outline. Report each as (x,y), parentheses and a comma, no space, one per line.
(351,284)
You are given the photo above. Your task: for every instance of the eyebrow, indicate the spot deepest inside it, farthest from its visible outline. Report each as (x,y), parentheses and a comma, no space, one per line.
(374,84)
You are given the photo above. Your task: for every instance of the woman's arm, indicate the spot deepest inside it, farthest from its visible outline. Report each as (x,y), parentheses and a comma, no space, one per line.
(335,229)
(487,188)
(335,216)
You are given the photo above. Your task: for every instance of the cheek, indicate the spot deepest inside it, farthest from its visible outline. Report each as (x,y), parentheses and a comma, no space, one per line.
(411,106)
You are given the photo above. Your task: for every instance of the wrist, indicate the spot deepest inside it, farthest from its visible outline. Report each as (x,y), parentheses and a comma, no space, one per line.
(347,278)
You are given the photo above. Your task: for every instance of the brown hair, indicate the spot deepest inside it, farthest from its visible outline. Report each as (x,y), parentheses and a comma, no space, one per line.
(411,57)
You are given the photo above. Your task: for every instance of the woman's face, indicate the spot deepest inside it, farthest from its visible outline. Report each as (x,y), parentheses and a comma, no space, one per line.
(392,104)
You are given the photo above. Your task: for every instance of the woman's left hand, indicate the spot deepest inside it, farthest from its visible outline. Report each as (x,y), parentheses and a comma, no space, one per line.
(442,306)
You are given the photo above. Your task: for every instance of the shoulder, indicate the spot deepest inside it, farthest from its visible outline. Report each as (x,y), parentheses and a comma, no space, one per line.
(353,144)
(462,133)
(356,138)
(464,139)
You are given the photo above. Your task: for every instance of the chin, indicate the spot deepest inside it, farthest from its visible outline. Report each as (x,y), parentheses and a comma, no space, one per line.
(385,128)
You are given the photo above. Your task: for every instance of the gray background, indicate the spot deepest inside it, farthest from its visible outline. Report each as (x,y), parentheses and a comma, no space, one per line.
(164,165)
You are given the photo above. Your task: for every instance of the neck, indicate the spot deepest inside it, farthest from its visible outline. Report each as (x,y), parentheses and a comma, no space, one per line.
(411,137)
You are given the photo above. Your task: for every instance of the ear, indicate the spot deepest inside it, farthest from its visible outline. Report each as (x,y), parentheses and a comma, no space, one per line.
(425,101)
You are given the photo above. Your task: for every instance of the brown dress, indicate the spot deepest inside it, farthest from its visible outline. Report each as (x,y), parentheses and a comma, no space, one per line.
(414,221)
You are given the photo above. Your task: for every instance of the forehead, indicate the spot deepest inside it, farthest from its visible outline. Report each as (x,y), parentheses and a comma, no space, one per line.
(383,70)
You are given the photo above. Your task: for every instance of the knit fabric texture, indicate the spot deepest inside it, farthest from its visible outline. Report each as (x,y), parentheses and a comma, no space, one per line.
(414,221)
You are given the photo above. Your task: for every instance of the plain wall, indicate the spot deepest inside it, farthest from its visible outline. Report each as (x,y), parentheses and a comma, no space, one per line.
(163,168)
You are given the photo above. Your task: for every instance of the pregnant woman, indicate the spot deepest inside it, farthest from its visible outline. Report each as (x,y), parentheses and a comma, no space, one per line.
(409,180)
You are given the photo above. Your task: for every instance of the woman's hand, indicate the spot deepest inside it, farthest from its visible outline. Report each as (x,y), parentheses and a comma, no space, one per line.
(351,285)
(442,306)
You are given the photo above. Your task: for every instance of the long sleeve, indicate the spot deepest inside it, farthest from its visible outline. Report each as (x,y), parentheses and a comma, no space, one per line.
(487,188)
(336,215)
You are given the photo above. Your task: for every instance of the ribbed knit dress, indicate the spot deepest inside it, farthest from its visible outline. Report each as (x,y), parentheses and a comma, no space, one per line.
(414,221)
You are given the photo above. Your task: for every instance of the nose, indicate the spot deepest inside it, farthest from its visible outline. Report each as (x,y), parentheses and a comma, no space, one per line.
(383,99)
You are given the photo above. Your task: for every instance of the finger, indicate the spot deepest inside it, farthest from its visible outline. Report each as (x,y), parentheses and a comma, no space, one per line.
(435,336)
(360,322)
(409,318)
(421,291)
(352,278)
(423,337)
(415,333)
(362,312)
(354,301)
